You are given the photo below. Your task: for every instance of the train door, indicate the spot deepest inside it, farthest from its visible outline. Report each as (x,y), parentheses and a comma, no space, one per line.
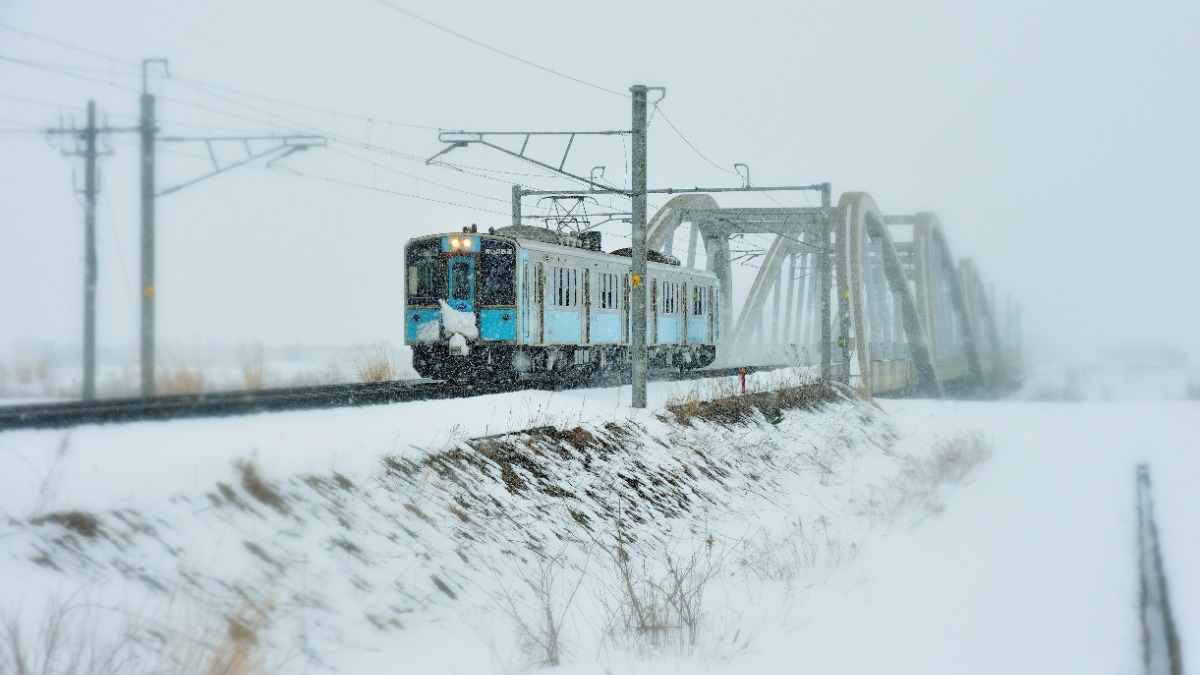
(585,308)
(462,284)
(526,304)
(652,314)
(539,303)
(531,308)
(626,311)
(684,313)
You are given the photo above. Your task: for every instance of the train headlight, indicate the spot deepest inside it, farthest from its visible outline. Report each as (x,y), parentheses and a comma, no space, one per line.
(455,243)
(466,243)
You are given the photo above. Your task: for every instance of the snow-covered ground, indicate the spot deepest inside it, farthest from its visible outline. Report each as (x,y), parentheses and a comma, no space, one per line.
(51,375)
(916,536)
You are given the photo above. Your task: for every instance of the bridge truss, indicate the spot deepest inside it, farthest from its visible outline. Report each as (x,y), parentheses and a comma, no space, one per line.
(876,301)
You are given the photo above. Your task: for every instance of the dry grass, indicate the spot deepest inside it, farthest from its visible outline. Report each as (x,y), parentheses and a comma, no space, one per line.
(181,379)
(915,489)
(735,409)
(258,488)
(373,362)
(540,620)
(87,638)
(253,370)
(27,373)
(79,522)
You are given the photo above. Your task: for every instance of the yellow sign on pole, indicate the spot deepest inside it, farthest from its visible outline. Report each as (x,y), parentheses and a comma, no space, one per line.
(637,280)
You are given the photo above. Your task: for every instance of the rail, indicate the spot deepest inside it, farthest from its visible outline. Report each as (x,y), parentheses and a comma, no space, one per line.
(221,404)
(1160,641)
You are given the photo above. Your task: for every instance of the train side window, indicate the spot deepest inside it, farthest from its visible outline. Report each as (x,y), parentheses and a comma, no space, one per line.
(699,297)
(606,290)
(564,287)
(670,297)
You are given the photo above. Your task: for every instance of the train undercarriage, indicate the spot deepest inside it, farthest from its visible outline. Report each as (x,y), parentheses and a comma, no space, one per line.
(514,362)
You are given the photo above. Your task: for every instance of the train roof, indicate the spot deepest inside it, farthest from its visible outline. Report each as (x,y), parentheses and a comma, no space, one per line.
(587,241)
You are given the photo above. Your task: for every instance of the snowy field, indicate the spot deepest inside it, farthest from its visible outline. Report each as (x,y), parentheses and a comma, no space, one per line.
(912,536)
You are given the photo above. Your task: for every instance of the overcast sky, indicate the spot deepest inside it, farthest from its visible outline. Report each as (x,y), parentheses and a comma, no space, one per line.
(1057,142)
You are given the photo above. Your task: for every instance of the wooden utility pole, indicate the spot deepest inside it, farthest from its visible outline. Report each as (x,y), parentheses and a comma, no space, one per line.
(89,257)
(91,191)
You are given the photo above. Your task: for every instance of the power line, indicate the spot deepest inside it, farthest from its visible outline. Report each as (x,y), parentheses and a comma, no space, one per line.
(496,50)
(271,117)
(58,71)
(64,66)
(274,120)
(295,124)
(24,126)
(202,85)
(66,45)
(395,192)
(418,178)
(689,143)
(34,101)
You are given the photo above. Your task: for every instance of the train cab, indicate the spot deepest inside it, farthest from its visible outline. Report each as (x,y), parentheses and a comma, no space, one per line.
(460,290)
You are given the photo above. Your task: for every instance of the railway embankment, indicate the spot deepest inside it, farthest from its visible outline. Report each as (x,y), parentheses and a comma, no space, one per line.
(628,534)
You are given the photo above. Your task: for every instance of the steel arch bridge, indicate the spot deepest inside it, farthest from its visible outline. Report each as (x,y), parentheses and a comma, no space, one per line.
(876,300)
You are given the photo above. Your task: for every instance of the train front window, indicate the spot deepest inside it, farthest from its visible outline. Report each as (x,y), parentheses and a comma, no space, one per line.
(426,282)
(497,273)
(460,279)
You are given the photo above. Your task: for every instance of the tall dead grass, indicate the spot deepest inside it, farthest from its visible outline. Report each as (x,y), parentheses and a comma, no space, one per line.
(725,408)
(84,638)
(915,490)
(373,362)
(253,370)
(181,379)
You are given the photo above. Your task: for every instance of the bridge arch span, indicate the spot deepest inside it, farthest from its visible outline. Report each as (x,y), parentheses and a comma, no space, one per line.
(876,304)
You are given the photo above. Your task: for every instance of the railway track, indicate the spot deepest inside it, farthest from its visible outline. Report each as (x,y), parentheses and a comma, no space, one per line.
(219,404)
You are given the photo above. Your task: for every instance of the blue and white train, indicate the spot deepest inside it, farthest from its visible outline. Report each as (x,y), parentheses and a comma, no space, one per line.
(523,300)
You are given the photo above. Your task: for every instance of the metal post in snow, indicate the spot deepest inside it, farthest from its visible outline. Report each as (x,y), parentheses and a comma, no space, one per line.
(638,281)
(147,342)
(516,204)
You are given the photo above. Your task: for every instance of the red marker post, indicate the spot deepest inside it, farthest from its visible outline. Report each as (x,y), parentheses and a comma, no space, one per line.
(742,377)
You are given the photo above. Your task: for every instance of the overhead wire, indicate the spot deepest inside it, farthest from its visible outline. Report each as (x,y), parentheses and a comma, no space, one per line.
(66,45)
(298,126)
(205,87)
(34,101)
(718,166)
(58,71)
(689,143)
(64,66)
(26,127)
(414,177)
(272,119)
(396,192)
(295,126)
(202,85)
(496,50)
